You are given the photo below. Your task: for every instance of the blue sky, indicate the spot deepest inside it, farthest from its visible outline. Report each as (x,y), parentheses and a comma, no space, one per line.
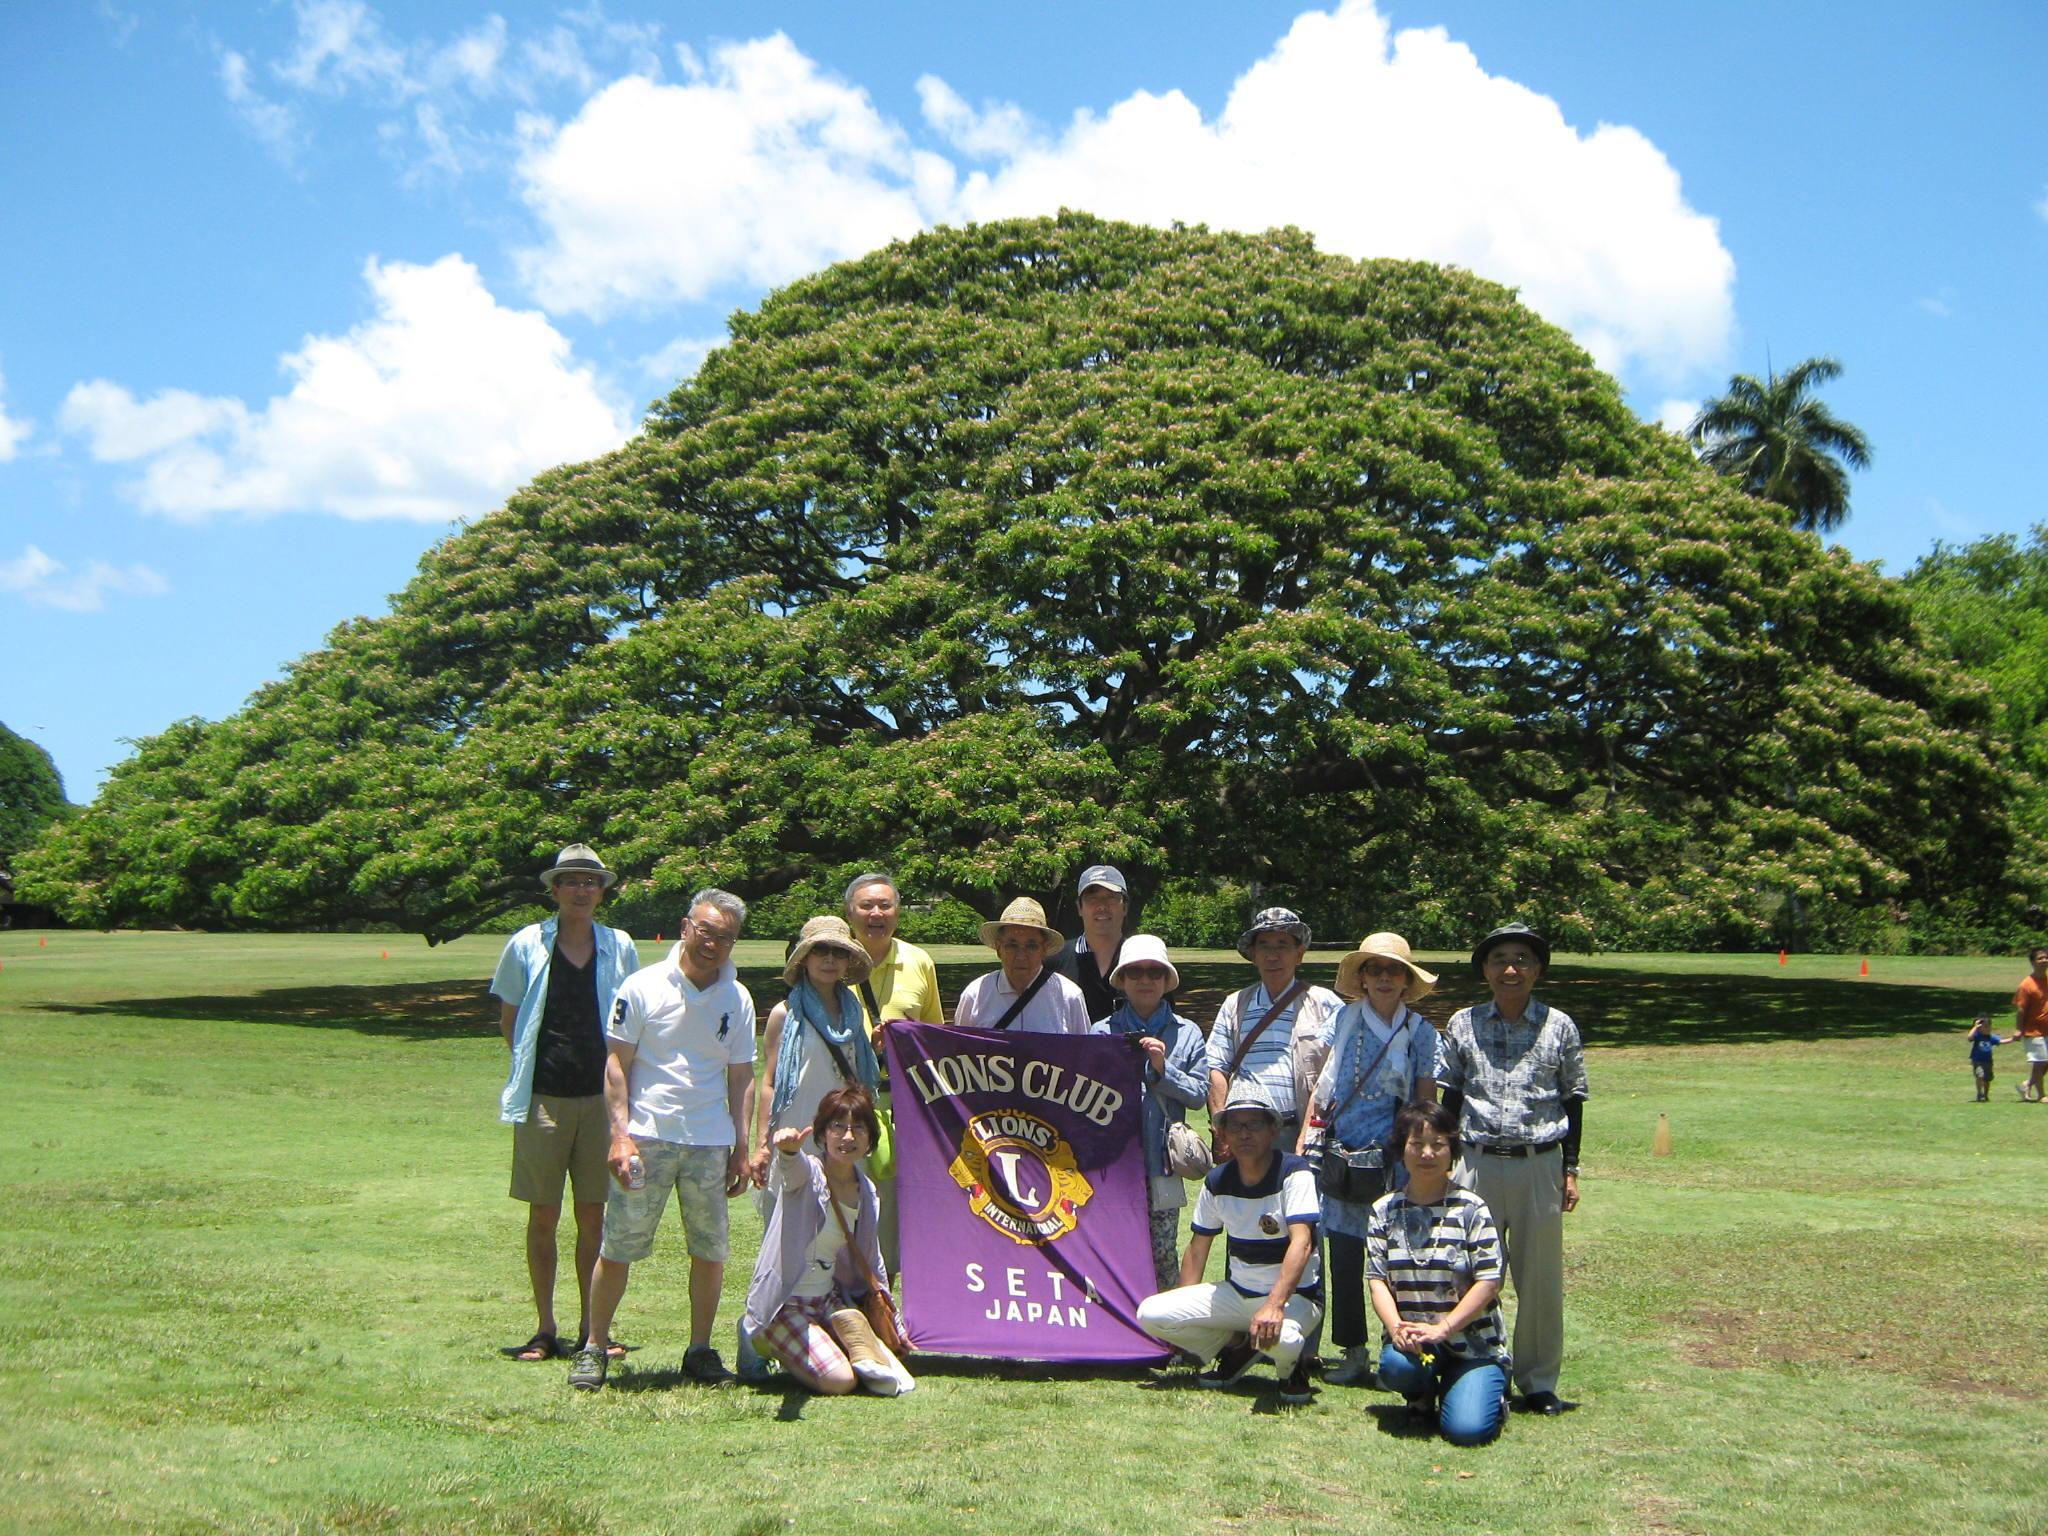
(287,288)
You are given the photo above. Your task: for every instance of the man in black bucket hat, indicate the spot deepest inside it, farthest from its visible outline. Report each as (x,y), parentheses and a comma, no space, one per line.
(1515,1072)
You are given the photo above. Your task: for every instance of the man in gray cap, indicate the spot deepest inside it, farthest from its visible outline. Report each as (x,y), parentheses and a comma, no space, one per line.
(1089,959)
(1253,1038)
(555,984)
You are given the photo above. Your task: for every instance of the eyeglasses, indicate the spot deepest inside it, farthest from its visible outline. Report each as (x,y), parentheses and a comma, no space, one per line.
(580,882)
(717,938)
(1385,968)
(1146,973)
(1521,960)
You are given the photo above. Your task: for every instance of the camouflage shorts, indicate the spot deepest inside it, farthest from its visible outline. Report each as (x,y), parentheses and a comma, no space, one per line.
(697,1175)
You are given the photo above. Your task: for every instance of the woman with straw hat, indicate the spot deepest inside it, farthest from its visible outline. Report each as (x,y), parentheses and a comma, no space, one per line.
(1382,1054)
(814,1041)
(1026,994)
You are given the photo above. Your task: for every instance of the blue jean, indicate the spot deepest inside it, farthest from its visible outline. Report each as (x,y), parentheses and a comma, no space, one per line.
(1471,1394)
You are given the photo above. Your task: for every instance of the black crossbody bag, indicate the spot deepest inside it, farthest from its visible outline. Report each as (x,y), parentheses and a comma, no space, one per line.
(1356,1174)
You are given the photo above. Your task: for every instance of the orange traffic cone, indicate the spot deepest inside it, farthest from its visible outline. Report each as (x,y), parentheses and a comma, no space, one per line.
(1866,967)
(1781,957)
(383,954)
(42,943)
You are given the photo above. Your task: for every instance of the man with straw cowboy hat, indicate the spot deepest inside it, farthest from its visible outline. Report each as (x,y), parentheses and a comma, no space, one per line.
(1379,1055)
(1026,994)
(554,984)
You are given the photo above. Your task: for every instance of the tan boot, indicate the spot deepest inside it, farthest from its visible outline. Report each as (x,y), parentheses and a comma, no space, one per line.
(850,1327)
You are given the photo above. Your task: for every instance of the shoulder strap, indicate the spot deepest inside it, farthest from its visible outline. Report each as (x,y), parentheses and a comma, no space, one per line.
(867,997)
(1358,1083)
(866,1269)
(1010,1014)
(1279,1007)
(839,1059)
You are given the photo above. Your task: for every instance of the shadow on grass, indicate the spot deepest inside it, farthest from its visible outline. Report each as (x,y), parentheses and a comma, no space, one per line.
(977,1368)
(414,1010)
(1647,1008)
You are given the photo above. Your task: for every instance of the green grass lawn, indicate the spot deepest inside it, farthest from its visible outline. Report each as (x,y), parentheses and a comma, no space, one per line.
(257,1265)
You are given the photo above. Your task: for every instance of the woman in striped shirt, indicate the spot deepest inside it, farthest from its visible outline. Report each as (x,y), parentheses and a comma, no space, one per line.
(1433,1261)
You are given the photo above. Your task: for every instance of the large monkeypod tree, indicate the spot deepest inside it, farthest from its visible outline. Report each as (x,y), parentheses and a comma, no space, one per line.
(1009,548)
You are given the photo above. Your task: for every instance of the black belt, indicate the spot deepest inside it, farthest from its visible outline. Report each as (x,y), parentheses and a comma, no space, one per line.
(1525,1150)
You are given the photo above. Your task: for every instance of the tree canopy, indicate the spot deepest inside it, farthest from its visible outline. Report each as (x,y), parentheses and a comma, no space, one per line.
(1779,442)
(31,793)
(1009,548)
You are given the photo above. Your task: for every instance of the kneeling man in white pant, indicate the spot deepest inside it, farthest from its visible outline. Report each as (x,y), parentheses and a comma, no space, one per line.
(1264,1201)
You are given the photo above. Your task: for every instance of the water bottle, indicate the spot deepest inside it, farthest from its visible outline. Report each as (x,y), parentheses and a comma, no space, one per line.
(636,1172)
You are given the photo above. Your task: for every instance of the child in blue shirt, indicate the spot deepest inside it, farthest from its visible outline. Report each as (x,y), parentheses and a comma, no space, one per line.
(1981,1043)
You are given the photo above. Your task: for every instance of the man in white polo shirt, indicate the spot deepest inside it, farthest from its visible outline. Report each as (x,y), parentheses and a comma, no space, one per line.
(677,1087)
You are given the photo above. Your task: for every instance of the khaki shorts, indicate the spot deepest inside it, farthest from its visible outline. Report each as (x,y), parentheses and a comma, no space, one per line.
(561,1138)
(697,1175)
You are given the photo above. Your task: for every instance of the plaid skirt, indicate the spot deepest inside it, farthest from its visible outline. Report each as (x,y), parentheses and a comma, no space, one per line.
(789,1335)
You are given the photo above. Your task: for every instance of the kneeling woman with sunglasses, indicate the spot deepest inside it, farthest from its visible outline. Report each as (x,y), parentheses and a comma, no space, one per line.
(1434,1263)
(820,1256)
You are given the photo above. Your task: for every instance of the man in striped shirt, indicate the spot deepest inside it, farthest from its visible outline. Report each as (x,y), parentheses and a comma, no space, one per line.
(1263,1200)
(1241,1051)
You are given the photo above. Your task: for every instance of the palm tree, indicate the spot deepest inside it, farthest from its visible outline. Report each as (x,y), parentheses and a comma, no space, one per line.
(1782,443)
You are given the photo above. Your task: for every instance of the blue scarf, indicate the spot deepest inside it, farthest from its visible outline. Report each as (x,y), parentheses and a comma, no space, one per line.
(808,1010)
(1127,1021)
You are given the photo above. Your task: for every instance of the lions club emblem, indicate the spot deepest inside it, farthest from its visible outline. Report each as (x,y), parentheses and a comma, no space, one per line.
(1020,1177)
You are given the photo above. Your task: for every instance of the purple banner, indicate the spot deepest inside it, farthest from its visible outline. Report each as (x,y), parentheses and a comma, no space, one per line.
(1021,1193)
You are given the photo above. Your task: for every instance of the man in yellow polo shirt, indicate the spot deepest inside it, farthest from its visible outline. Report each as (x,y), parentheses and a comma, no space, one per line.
(902,984)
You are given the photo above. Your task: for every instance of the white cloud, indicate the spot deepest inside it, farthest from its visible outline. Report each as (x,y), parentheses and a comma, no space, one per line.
(342,43)
(1387,144)
(995,131)
(46,583)
(432,409)
(427,89)
(679,359)
(13,430)
(273,123)
(1940,303)
(762,169)
(1675,416)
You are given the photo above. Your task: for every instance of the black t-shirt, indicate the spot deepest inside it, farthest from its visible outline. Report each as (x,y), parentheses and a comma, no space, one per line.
(569,1055)
(1079,967)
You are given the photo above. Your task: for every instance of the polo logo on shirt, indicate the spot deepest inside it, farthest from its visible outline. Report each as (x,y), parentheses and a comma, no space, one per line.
(1020,1176)
(724,1025)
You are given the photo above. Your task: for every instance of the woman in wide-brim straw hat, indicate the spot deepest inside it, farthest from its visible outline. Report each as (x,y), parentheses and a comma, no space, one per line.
(1025,994)
(1382,1054)
(814,1041)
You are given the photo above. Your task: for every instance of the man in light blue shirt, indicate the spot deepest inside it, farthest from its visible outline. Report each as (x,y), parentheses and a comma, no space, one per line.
(555,984)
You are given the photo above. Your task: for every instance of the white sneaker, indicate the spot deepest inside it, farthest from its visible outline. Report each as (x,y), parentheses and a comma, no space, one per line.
(1354,1370)
(877,1377)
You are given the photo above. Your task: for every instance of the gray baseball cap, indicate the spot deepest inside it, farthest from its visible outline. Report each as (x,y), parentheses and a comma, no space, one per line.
(1108,876)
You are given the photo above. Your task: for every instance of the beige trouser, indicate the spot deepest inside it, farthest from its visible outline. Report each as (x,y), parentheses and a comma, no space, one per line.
(1526,1196)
